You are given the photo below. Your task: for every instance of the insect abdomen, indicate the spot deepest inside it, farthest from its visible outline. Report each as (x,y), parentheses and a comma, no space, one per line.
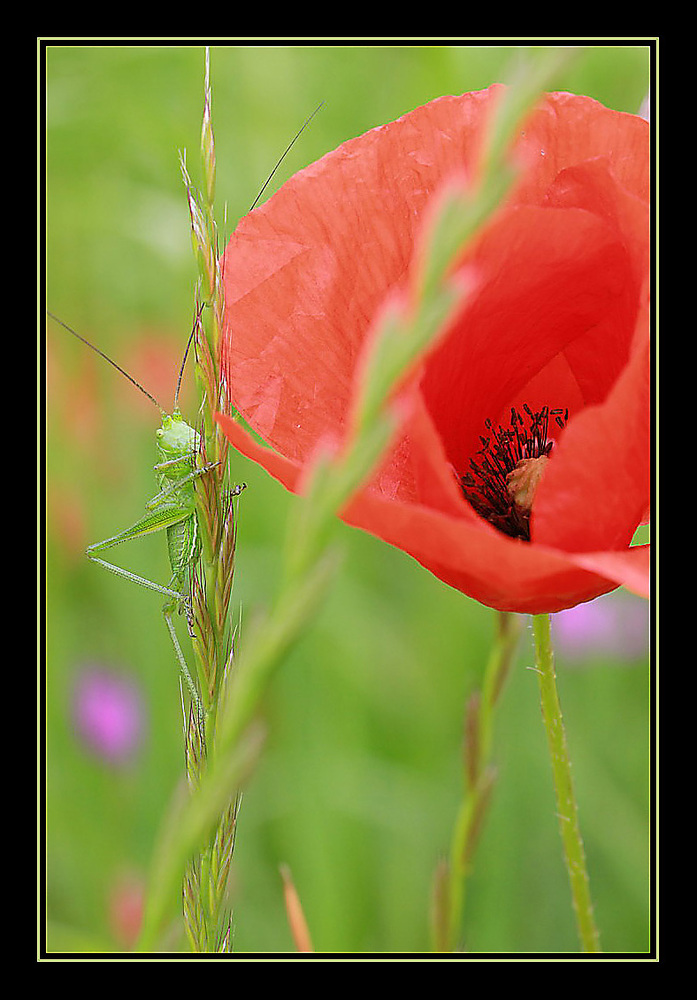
(183,544)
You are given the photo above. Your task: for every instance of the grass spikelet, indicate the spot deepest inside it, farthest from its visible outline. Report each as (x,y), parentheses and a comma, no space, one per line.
(194,917)
(205,896)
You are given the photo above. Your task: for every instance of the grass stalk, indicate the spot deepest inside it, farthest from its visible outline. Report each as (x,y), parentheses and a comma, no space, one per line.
(478,783)
(204,895)
(207,910)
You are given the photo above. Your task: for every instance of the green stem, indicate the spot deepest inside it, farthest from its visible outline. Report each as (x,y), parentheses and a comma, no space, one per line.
(480,775)
(563,785)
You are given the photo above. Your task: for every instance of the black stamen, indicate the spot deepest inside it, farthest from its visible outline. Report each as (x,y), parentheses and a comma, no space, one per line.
(486,486)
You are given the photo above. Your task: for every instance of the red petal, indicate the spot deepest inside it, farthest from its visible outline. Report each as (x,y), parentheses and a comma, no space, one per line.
(631,568)
(504,573)
(549,278)
(287,472)
(560,273)
(596,487)
(567,129)
(306,273)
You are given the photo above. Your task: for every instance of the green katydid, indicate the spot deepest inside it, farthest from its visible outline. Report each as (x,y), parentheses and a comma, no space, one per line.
(172,509)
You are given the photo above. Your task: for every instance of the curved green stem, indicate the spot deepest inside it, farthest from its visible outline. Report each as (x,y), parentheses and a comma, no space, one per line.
(567,811)
(480,776)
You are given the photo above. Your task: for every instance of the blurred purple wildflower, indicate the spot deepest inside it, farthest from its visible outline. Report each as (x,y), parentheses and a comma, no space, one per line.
(108,713)
(615,626)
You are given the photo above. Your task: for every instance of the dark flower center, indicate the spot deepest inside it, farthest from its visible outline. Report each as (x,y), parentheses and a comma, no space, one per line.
(507,469)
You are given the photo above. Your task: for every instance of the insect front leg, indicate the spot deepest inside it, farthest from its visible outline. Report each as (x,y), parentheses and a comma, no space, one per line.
(186,457)
(176,485)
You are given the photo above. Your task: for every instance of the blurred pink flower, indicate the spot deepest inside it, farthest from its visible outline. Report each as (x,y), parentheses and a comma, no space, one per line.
(108,713)
(615,625)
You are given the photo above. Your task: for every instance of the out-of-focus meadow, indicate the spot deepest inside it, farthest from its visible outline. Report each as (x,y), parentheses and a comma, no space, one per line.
(360,777)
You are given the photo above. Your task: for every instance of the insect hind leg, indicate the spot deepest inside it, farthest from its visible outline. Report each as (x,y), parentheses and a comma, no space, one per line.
(134,578)
(176,601)
(183,668)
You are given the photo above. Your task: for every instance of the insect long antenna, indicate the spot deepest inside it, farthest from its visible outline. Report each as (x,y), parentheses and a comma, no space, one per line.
(197,320)
(106,358)
(285,153)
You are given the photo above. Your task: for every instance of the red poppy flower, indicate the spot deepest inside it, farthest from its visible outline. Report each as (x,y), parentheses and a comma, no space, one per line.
(521,468)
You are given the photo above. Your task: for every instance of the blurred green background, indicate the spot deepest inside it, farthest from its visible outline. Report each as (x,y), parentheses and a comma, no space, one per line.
(360,778)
